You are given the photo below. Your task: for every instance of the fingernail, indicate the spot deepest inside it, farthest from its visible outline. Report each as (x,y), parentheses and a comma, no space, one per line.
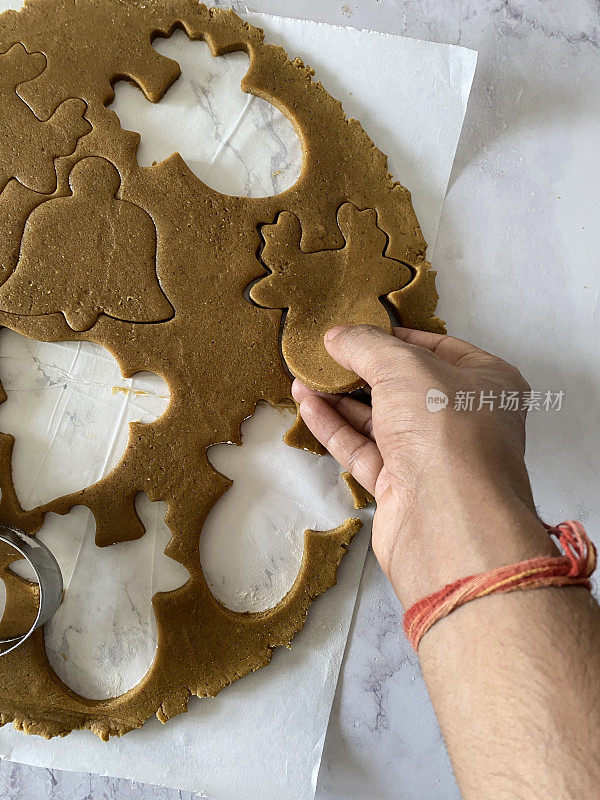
(333,332)
(305,406)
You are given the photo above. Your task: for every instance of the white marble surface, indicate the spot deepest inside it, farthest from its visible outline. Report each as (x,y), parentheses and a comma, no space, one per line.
(522,212)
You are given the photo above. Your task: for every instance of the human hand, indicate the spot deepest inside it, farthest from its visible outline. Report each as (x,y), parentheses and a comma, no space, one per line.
(453,499)
(445,483)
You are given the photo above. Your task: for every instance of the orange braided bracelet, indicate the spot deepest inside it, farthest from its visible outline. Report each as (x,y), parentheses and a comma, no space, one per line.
(571,569)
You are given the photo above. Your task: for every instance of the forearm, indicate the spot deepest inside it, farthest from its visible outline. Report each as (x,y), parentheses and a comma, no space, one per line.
(514,678)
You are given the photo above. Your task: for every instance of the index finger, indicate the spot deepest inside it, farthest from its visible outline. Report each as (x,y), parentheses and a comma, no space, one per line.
(455,352)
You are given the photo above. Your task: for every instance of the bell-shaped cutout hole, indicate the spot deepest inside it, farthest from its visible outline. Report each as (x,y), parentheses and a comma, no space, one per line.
(69,409)
(252,541)
(102,640)
(235,142)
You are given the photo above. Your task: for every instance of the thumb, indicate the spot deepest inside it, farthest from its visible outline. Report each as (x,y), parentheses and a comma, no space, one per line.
(367,350)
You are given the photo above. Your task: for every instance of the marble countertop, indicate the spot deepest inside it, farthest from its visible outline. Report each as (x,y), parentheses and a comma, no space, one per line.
(522,210)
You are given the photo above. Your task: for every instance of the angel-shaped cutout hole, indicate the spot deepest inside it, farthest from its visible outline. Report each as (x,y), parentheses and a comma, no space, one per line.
(252,541)
(235,142)
(103,639)
(69,409)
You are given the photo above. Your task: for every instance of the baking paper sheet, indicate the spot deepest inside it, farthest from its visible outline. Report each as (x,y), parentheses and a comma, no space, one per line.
(68,406)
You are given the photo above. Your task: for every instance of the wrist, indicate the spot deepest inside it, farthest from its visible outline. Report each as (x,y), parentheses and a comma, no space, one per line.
(447,535)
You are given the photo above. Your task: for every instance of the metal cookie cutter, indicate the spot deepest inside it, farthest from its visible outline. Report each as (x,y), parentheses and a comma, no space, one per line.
(47,573)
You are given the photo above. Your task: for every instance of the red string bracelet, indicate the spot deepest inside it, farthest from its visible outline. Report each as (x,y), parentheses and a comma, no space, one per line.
(571,569)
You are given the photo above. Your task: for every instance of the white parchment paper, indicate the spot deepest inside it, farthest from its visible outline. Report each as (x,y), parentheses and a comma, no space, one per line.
(68,406)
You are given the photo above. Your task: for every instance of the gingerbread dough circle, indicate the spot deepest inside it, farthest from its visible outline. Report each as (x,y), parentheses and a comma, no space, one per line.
(173,303)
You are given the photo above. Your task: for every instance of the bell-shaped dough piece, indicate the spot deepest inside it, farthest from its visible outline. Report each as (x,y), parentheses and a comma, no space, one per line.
(87,254)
